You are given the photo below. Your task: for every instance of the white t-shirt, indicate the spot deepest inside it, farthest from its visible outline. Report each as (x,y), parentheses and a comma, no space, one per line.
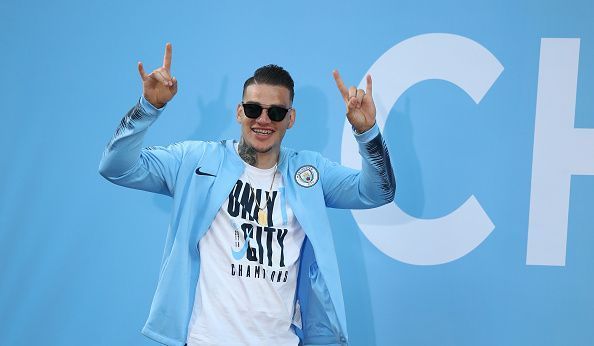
(246,289)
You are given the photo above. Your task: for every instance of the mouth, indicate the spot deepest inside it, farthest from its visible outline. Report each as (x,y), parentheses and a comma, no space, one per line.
(262,132)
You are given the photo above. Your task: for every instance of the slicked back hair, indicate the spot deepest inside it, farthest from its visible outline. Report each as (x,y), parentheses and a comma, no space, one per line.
(271,75)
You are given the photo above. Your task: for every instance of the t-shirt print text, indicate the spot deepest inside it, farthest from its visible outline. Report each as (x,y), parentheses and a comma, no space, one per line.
(265,258)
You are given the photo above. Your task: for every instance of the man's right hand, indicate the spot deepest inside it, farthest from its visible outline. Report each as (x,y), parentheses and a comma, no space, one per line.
(159,87)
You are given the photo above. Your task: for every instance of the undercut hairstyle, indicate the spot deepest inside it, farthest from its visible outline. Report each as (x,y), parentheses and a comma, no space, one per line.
(271,75)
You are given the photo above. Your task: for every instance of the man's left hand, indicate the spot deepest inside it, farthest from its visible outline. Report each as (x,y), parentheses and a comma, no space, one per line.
(360,109)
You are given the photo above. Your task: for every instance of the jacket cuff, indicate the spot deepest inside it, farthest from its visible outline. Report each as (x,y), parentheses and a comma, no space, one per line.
(148,108)
(367,135)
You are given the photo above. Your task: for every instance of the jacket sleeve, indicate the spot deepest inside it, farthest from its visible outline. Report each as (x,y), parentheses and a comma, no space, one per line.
(374,185)
(126,163)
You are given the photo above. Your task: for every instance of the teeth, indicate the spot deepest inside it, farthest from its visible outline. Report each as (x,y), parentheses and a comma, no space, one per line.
(264,132)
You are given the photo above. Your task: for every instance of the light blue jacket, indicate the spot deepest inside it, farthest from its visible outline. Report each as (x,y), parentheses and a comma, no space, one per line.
(197,199)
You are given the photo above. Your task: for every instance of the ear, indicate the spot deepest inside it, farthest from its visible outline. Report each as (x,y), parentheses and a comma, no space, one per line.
(292,115)
(238,113)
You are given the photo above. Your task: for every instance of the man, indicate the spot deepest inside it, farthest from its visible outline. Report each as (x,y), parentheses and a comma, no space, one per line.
(249,256)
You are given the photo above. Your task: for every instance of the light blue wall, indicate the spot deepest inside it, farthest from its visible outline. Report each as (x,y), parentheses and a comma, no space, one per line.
(79,257)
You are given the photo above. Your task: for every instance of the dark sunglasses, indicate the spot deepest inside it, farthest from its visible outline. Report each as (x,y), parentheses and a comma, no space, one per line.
(254,110)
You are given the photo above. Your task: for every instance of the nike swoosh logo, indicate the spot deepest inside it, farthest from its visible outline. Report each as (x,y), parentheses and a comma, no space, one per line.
(239,254)
(203,173)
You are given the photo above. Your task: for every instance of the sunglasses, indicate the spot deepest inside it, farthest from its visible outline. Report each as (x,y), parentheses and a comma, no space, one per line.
(254,110)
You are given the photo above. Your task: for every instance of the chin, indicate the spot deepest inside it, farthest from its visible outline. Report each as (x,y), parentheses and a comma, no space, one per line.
(262,150)
(259,146)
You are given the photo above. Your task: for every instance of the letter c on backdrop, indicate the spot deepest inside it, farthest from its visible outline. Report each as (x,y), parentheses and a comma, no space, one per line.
(474,69)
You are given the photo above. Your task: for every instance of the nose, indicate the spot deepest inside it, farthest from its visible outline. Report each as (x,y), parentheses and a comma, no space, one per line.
(263,118)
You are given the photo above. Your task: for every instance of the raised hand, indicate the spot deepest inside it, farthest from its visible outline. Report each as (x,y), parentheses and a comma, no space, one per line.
(360,109)
(159,87)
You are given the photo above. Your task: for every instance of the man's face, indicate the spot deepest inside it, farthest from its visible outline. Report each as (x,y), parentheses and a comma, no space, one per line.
(263,134)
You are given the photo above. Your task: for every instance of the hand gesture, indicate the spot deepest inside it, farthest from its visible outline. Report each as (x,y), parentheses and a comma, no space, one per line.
(360,109)
(159,87)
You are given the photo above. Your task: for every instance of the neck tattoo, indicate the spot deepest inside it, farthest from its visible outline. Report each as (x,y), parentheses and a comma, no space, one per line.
(247,153)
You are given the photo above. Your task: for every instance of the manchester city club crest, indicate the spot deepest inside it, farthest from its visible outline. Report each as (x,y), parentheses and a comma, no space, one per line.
(307,176)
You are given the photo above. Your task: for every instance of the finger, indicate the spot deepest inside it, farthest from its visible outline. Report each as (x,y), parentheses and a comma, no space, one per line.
(167,57)
(158,75)
(351,104)
(360,94)
(369,85)
(352,92)
(340,84)
(141,71)
(174,86)
(164,73)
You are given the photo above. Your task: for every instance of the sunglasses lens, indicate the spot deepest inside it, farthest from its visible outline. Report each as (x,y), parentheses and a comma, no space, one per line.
(251,110)
(276,113)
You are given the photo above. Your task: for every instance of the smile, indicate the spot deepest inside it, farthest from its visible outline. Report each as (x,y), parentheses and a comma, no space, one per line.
(262,131)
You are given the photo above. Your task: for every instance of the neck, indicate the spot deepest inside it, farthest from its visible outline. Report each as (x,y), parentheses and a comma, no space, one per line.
(256,159)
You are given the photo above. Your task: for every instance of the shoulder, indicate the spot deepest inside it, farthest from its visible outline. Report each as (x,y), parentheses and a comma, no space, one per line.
(194,150)
(302,155)
(190,144)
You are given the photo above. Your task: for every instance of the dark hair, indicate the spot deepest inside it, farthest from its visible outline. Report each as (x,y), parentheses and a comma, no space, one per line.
(271,75)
